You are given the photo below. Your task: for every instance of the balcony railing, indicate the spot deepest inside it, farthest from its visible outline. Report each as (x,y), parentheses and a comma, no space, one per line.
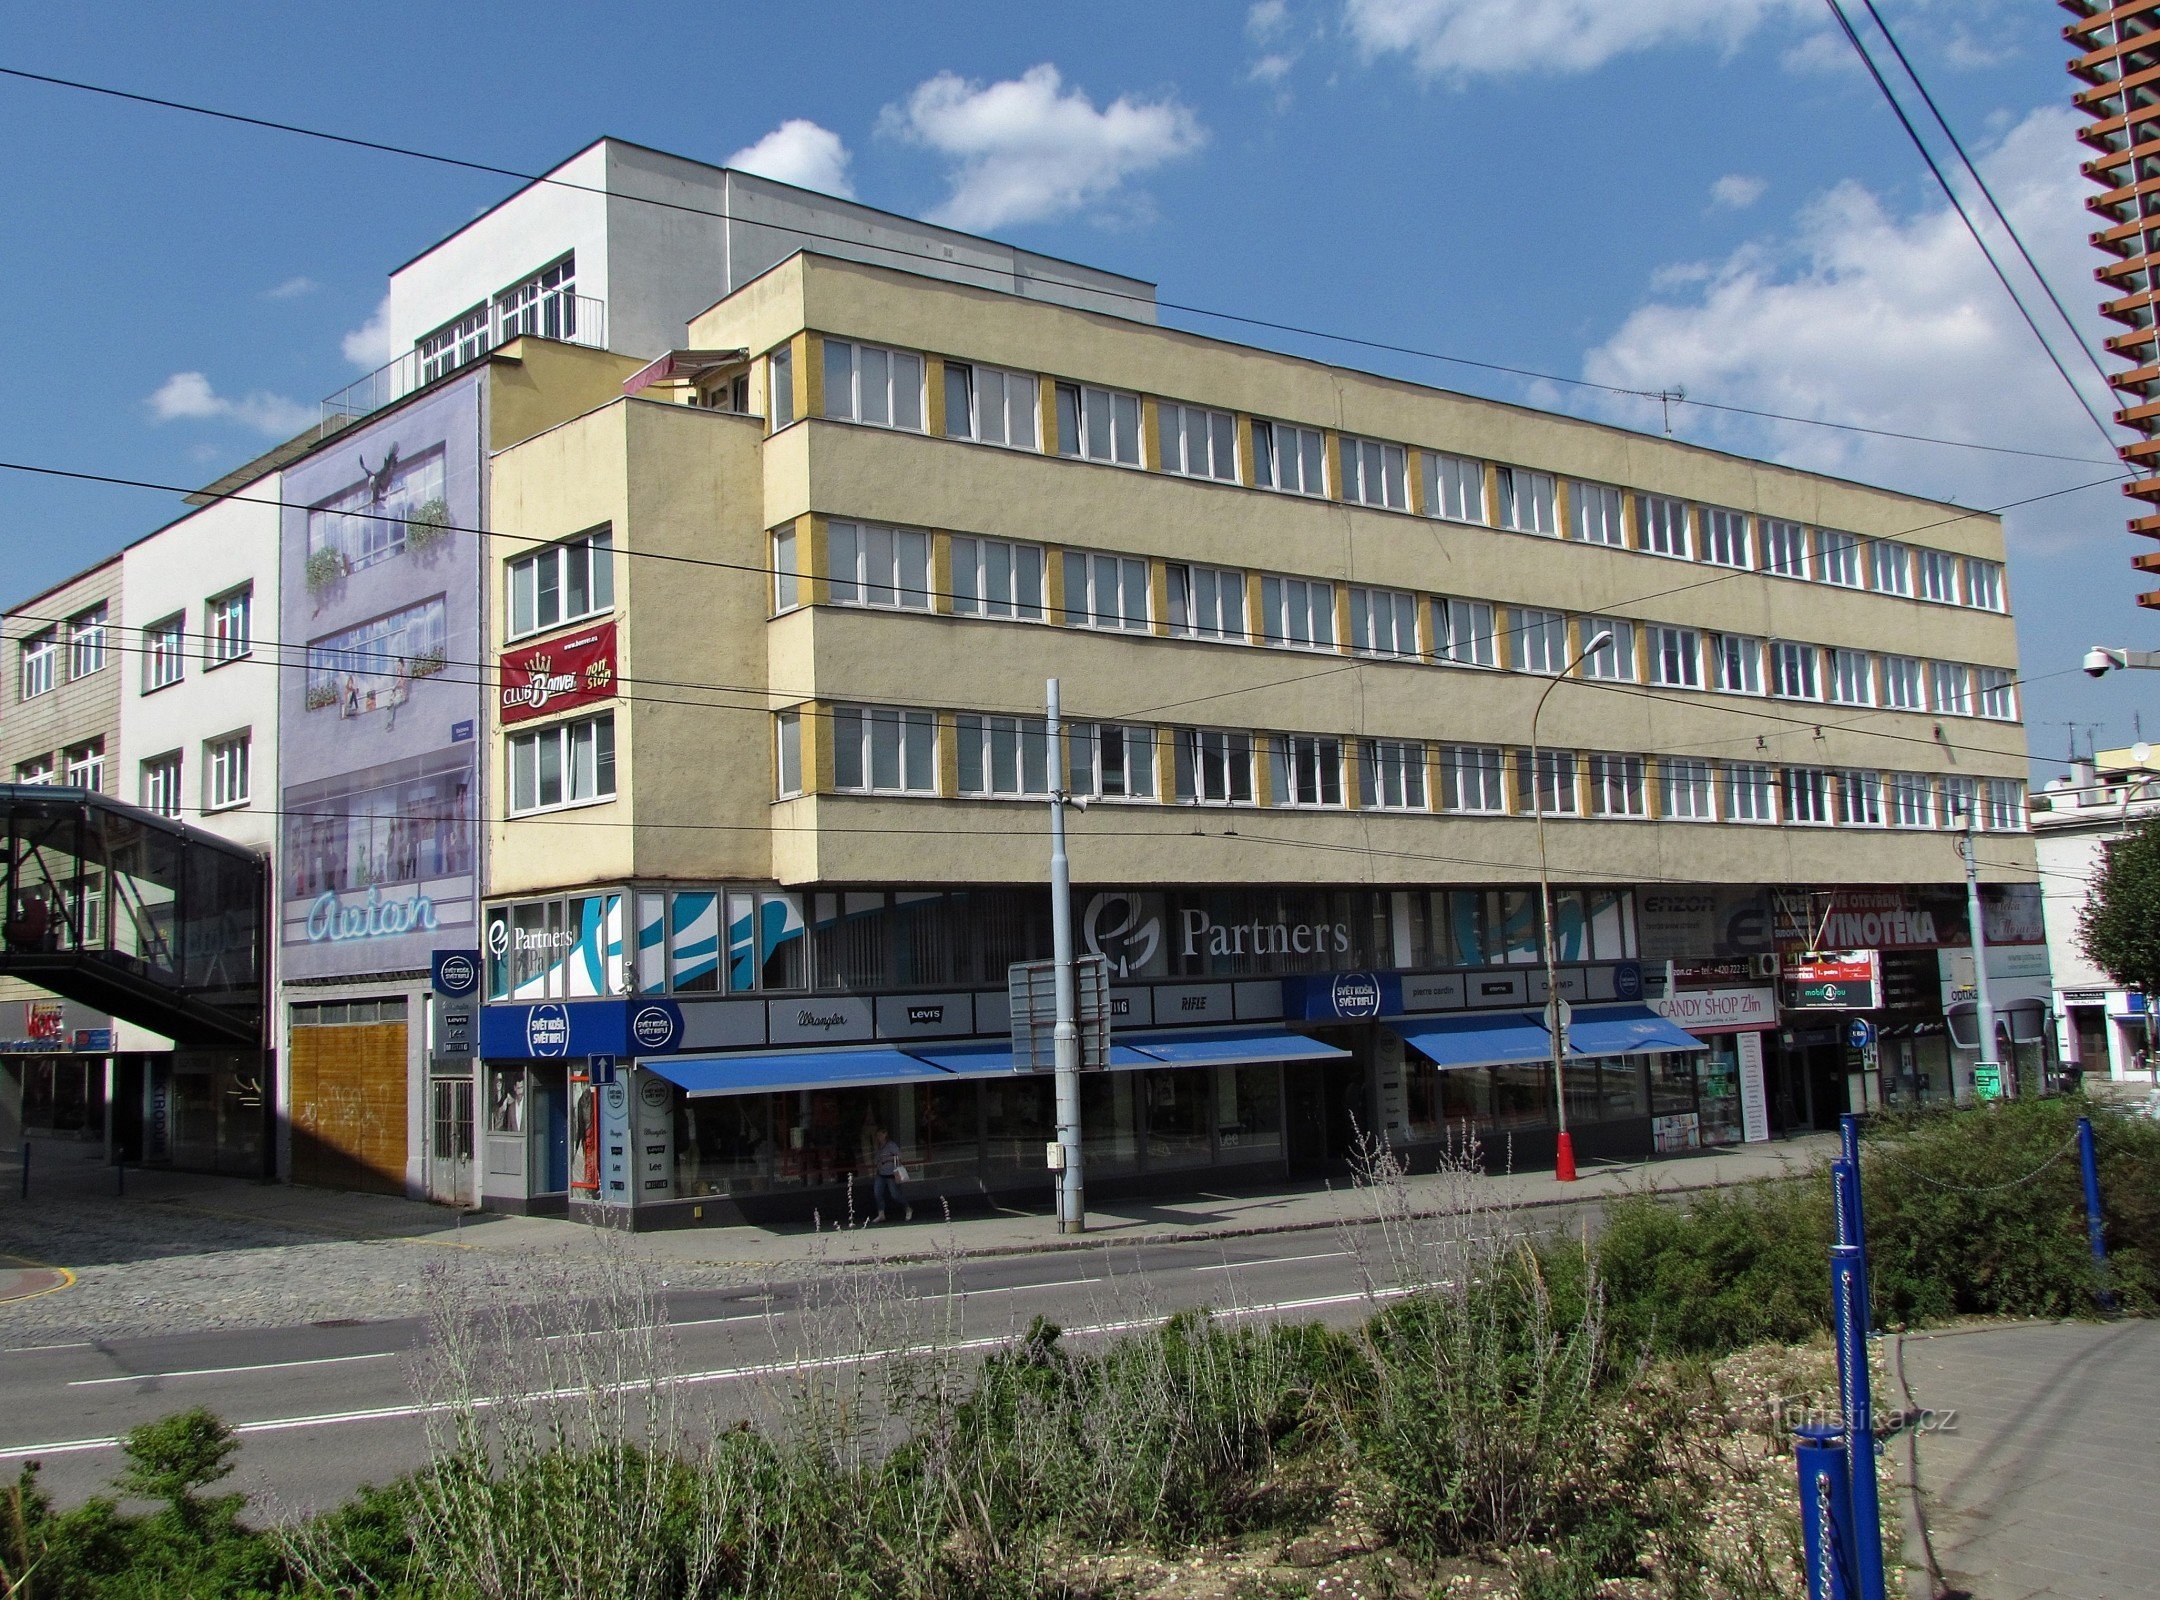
(572,318)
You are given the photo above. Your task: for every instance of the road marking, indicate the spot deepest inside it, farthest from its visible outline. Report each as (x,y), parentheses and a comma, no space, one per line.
(765,1369)
(33,1349)
(25,1267)
(1270,1261)
(213,1372)
(1015,1288)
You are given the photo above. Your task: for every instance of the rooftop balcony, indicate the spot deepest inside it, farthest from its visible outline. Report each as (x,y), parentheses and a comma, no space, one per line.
(570,318)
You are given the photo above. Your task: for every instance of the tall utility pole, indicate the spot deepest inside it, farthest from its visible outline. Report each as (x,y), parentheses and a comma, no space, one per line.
(1065,1041)
(2006,1071)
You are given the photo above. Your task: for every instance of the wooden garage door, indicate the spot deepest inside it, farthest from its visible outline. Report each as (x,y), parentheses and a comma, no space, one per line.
(348,1106)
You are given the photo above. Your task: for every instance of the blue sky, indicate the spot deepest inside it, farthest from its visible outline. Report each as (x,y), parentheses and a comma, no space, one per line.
(1695,194)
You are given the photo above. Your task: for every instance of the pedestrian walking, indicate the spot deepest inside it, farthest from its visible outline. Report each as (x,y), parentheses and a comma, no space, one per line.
(885,1191)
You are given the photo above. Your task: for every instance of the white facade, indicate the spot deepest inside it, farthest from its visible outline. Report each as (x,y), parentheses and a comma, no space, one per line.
(2100,1025)
(654,266)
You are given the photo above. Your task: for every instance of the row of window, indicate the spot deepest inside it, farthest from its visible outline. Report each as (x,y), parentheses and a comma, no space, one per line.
(82,640)
(228,635)
(871,565)
(565,764)
(886,388)
(225,777)
(894,750)
(544,304)
(80,766)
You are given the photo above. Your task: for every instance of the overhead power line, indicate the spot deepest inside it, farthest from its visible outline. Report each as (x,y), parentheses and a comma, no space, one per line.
(1242,319)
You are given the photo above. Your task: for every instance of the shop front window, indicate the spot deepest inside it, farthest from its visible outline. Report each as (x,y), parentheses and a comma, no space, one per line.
(1522,1096)
(1719,1083)
(1019,1121)
(1248,1114)
(1109,1123)
(1177,1119)
(506,1100)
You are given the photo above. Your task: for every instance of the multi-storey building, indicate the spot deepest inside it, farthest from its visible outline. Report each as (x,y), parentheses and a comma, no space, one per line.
(770,762)
(2118,61)
(2103,1027)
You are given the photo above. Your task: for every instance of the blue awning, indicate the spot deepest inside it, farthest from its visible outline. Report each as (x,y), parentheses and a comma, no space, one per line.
(1211,1047)
(989,1060)
(1497,1039)
(1625,1031)
(699,1076)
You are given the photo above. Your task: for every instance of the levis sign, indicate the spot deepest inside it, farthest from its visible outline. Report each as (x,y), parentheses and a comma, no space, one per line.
(558,674)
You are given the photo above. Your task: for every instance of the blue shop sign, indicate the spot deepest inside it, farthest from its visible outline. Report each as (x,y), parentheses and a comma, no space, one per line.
(1342,996)
(559,1029)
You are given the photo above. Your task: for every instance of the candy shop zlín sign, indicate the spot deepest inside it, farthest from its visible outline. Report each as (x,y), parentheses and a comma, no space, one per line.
(558,674)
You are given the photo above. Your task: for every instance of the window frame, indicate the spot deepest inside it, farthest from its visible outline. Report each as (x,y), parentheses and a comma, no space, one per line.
(1729,650)
(1617,654)
(1449,639)
(599,581)
(1192,752)
(1391,775)
(1400,606)
(1488,764)
(1694,775)
(38,662)
(1078,425)
(1183,587)
(1624,775)
(158,784)
(221,645)
(1672,646)
(857,544)
(565,736)
(1510,485)
(1796,650)
(164,644)
(1661,520)
(1135,745)
(1306,771)
(916,735)
(82,766)
(1837,559)
(973,554)
(1726,538)
(1839,666)
(1784,549)
(1455,488)
(1549,629)
(1391,464)
(1757,782)
(1218,435)
(893,361)
(990,745)
(1020,394)
(88,636)
(1310,457)
(220,757)
(1314,601)
(1612,518)
(1896,678)
(1081,610)
(788,764)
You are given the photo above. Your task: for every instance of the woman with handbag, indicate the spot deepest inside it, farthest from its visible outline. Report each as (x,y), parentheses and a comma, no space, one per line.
(890,1175)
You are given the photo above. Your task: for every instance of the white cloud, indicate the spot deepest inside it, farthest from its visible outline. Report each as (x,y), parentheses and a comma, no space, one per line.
(802,153)
(1459,39)
(1896,322)
(188,397)
(368,346)
(1267,19)
(1271,68)
(1736,191)
(1028,149)
(292,289)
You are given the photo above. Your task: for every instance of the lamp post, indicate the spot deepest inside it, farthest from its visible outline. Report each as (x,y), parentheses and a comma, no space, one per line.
(1564,1157)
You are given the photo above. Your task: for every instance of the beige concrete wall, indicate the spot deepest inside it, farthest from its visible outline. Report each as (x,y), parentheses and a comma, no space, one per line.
(73,712)
(533,384)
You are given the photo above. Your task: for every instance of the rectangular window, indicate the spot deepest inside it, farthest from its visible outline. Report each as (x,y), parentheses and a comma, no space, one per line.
(1724,537)
(1959,797)
(83,765)
(1527,500)
(562,583)
(1784,547)
(1214,767)
(1685,789)
(1617,788)
(1207,603)
(569,764)
(1950,688)
(2002,805)
(1938,575)
(1735,663)
(865,383)
(454,344)
(881,750)
(1106,592)
(1383,622)
(1463,633)
(1003,756)
(787,570)
(1795,670)
(86,643)
(787,753)
(1537,640)
(780,382)
(1805,792)
(1859,799)
(1614,660)
(1113,762)
(39,769)
(1098,424)
(1983,584)
(164,651)
(1675,657)
(39,652)
(1664,525)
(1454,488)
(225,772)
(226,622)
(544,305)
(997,578)
(1994,694)
(1307,770)
(1912,800)
(1852,678)
(1750,792)
(1904,685)
(161,785)
(1289,459)
(1375,474)
(1553,788)
(991,406)
(1890,567)
(877,566)
(1195,442)
(1598,515)
(1470,779)
(1391,775)
(1298,612)
(1837,558)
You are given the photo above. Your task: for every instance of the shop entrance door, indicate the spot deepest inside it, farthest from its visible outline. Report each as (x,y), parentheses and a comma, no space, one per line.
(1305,1120)
(450,1141)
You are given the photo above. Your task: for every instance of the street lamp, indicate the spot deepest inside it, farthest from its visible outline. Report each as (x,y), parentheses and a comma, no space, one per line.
(1564,1157)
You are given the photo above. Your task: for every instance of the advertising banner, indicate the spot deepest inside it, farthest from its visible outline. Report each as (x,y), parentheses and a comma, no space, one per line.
(381,582)
(560,674)
(1719,1010)
(1835,980)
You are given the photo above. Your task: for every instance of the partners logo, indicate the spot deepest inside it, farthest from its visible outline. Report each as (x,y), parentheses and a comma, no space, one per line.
(1124,932)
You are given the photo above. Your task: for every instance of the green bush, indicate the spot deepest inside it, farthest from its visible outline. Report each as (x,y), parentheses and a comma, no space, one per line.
(1736,1267)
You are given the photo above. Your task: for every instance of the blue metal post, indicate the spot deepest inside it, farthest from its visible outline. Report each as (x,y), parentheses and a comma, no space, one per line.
(1848,1282)
(2095,1234)
(1825,1510)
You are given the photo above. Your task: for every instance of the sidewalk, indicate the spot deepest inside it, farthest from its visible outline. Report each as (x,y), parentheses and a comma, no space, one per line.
(2036,1468)
(187,1251)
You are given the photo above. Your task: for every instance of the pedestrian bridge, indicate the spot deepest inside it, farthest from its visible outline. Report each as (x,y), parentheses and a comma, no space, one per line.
(130,913)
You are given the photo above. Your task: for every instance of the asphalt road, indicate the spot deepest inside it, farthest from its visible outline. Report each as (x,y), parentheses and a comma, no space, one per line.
(321,1409)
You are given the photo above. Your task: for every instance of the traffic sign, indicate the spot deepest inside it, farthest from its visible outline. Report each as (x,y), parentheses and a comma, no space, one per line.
(600,1069)
(1559,1015)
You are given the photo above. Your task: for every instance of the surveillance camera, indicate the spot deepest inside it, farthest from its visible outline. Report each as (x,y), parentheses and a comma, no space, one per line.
(2098,661)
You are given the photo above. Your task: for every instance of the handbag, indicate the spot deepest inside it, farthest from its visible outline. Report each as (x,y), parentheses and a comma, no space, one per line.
(899,1173)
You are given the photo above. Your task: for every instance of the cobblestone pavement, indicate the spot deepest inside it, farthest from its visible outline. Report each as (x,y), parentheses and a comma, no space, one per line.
(2036,1472)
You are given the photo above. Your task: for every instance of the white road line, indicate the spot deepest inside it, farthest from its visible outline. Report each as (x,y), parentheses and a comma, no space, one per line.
(966,1293)
(213,1372)
(32,1349)
(1270,1261)
(766,1369)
